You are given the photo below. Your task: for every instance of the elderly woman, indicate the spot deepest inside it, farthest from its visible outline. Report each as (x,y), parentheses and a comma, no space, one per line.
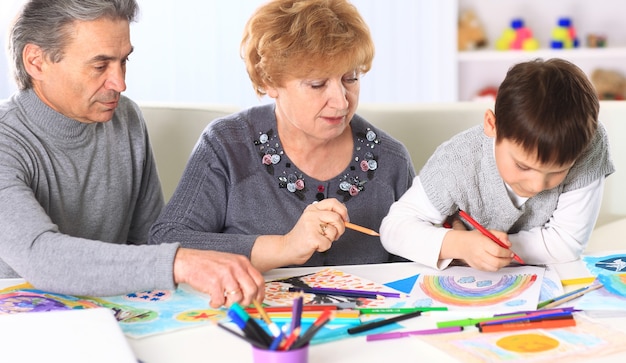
(277,182)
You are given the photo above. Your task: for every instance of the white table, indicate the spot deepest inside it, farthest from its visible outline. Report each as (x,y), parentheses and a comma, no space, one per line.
(209,343)
(609,237)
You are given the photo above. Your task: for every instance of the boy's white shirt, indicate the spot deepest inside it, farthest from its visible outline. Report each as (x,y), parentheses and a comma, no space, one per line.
(562,239)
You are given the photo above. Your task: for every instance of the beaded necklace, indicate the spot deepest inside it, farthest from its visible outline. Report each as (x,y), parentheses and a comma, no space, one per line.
(351,182)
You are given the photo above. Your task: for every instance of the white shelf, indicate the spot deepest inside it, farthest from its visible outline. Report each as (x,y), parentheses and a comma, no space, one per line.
(487,68)
(512,55)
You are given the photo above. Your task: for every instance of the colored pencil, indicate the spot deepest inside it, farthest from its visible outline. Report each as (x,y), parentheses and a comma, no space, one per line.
(277,341)
(263,336)
(288,309)
(578,281)
(314,314)
(486,233)
(503,316)
(582,280)
(571,297)
(247,329)
(244,337)
(270,324)
(356,227)
(553,310)
(376,324)
(313,329)
(539,324)
(526,318)
(471,321)
(401,310)
(402,334)
(336,321)
(545,303)
(350,293)
(296,313)
(287,343)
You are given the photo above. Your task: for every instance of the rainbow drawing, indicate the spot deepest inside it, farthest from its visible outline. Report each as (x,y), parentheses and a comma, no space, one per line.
(468,291)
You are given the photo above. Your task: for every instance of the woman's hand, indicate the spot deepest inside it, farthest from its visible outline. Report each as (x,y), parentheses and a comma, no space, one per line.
(318,227)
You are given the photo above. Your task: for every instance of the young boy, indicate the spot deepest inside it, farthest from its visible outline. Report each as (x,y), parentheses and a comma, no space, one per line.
(533,175)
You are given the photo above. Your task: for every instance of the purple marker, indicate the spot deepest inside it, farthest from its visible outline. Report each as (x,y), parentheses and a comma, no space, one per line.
(402,334)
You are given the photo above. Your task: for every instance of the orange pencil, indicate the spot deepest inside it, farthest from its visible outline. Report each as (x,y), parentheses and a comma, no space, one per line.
(361,229)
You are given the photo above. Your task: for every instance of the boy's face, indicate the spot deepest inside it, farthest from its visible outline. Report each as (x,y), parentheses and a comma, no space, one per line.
(519,168)
(523,173)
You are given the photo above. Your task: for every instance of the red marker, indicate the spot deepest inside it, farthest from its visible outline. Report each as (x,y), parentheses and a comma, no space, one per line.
(540,324)
(485,232)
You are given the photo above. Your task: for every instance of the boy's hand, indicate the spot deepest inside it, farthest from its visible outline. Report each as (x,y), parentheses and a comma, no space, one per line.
(477,250)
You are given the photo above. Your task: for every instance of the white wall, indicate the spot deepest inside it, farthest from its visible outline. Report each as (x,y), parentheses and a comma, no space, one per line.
(187,51)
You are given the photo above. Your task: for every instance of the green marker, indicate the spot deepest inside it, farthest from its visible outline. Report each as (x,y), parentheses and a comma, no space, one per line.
(400,310)
(473,321)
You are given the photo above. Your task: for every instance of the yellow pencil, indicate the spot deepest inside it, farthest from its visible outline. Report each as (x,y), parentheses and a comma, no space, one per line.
(578,281)
(361,229)
(271,325)
(582,280)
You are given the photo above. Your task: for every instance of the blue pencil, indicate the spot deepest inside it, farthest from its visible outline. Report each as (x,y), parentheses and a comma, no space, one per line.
(566,295)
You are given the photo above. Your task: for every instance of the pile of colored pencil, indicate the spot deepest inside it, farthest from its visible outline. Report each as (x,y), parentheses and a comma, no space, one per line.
(292,336)
(535,319)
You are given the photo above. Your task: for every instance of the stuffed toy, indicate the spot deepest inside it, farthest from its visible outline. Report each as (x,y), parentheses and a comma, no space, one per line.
(609,84)
(471,35)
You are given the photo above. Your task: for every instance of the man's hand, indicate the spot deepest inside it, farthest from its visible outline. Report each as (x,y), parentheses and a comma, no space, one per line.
(225,277)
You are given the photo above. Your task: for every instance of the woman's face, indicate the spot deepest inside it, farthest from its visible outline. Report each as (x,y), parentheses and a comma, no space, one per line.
(320,107)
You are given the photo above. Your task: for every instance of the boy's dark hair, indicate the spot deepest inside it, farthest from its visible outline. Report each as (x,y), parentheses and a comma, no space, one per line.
(549,108)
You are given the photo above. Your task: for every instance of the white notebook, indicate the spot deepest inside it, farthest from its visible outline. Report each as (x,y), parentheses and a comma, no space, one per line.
(71,336)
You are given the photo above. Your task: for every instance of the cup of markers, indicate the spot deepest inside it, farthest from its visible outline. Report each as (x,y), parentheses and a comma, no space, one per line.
(287,345)
(300,355)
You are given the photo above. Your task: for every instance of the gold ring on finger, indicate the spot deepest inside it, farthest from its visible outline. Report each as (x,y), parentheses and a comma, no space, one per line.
(323,227)
(232,292)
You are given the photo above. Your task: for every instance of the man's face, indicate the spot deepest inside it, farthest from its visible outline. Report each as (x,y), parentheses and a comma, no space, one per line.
(86,84)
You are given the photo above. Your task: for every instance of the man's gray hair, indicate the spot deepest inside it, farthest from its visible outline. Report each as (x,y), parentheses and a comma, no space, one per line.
(46,23)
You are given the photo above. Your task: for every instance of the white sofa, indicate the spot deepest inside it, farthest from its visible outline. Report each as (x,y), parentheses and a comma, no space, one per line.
(174,131)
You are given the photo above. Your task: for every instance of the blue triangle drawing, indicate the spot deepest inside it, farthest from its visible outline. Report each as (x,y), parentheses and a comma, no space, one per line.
(404,285)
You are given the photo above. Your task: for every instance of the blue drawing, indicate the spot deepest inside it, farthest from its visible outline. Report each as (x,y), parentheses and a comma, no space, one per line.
(467,280)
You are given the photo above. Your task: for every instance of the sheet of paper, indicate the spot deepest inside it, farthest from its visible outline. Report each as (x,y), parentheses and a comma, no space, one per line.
(581,343)
(139,314)
(69,336)
(465,288)
(276,291)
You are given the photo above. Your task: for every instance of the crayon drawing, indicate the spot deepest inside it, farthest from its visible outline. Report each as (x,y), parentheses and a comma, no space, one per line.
(460,287)
(23,299)
(166,311)
(615,284)
(601,265)
(587,340)
(276,291)
(139,314)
